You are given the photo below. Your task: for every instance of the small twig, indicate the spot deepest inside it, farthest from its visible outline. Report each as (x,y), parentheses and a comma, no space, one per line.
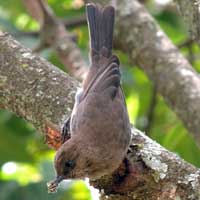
(26,34)
(75,21)
(186,43)
(191,56)
(150,113)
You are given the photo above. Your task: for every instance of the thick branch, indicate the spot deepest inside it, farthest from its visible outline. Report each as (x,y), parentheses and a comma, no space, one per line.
(147,45)
(155,173)
(191,14)
(54,34)
(43,95)
(32,88)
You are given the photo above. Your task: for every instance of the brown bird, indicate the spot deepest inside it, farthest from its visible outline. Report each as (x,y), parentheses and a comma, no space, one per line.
(99,124)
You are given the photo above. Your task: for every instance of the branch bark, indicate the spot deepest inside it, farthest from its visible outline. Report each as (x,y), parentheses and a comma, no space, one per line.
(191,15)
(147,45)
(33,88)
(54,34)
(43,95)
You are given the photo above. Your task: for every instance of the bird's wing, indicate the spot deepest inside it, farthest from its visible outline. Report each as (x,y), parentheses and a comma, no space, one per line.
(104,73)
(107,79)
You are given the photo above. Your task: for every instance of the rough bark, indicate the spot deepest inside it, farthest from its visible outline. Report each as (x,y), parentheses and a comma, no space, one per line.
(147,45)
(43,95)
(32,88)
(191,15)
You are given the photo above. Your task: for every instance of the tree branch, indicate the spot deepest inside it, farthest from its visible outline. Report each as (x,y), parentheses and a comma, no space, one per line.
(33,88)
(54,34)
(43,95)
(191,15)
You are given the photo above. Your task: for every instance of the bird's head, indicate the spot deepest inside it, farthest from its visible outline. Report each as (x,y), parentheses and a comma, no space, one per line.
(65,164)
(65,160)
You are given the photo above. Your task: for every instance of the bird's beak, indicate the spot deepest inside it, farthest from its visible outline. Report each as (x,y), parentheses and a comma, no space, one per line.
(59,179)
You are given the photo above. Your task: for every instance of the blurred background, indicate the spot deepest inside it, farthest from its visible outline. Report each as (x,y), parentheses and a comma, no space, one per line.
(26,163)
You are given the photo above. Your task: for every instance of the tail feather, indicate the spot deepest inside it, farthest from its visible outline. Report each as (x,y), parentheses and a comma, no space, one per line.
(107,28)
(103,75)
(100,22)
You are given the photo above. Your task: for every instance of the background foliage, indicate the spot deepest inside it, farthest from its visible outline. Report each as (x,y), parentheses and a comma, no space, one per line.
(26,162)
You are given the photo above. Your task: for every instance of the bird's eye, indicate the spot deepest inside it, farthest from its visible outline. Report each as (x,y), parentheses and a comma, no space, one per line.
(69,165)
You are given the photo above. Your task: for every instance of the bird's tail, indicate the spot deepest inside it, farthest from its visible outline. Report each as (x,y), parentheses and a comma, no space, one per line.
(100,23)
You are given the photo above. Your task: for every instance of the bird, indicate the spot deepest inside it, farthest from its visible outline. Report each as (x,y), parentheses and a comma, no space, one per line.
(98,131)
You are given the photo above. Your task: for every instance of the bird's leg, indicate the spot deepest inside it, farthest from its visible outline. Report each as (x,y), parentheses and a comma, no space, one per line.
(66,130)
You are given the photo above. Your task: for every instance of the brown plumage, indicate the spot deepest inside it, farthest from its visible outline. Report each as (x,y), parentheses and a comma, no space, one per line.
(99,124)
